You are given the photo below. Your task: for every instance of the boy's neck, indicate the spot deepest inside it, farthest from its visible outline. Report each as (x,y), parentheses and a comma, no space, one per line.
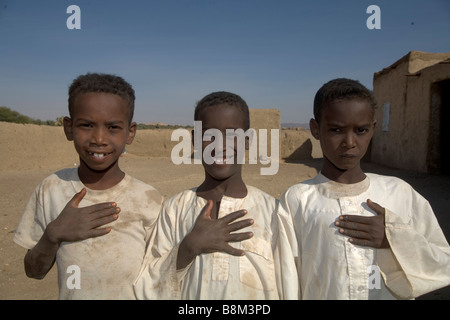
(350,176)
(212,189)
(345,179)
(100,180)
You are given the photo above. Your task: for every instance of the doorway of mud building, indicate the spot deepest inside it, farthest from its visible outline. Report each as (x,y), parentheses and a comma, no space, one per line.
(439,134)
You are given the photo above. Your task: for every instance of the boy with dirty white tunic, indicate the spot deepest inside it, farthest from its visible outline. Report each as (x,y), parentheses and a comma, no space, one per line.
(201,248)
(94,221)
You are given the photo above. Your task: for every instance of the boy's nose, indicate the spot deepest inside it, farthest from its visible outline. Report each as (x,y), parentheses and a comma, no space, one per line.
(349,140)
(98,136)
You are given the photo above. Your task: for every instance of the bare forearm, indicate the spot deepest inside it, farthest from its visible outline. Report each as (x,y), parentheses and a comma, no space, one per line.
(39,260)
(186,253)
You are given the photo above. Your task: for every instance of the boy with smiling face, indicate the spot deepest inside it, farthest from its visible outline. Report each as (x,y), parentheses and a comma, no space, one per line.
(93,221)
(222,239)
(360,235)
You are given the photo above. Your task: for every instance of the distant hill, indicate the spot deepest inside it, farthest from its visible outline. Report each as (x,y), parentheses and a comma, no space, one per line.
(295,125)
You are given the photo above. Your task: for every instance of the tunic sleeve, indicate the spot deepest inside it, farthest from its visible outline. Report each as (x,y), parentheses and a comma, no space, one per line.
(418,261)
(158,275)
(285,244)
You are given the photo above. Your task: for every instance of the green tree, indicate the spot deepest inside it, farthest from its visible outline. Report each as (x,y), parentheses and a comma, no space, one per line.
(9,115)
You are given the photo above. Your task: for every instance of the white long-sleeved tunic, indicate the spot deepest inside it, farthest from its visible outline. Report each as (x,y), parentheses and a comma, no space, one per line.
(266,271)
(330,267)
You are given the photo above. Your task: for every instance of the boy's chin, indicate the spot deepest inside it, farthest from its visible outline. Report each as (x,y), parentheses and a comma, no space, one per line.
(221,172)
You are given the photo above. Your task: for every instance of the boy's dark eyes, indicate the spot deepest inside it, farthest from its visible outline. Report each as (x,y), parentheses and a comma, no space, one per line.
(90,125)
(357,131)
(362,130)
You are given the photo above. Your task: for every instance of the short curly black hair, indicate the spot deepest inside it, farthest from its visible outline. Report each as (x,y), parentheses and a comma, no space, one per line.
(102,82)
(223,97)
(341,89)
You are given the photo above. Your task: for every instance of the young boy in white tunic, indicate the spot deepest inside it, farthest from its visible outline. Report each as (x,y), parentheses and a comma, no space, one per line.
(360,235)
(93,220)
(201,248)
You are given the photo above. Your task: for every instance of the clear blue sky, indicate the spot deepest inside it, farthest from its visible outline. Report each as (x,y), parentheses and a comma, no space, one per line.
(275,54)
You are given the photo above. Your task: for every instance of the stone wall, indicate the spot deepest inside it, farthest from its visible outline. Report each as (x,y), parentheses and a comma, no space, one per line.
(404,142)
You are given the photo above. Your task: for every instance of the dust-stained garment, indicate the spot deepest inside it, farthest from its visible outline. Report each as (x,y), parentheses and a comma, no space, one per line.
(266,271)
(97,268)
(330,267)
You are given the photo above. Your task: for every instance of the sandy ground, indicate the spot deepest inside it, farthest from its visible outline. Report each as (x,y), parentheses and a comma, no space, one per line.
(17,184)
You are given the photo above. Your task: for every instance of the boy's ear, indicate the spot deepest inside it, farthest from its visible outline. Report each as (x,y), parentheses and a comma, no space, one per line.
(67,123)
(314,127)
(131,132)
